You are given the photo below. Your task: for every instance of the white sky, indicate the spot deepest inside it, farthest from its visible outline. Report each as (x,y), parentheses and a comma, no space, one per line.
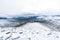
(34,6)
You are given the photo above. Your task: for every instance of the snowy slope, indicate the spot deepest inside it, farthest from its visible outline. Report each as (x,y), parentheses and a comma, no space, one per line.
(41,27)
(30,31)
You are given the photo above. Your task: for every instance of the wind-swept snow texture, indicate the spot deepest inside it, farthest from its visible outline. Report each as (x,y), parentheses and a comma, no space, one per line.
(30,27)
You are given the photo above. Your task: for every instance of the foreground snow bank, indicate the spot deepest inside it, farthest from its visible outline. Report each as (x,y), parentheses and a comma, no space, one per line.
(30,31)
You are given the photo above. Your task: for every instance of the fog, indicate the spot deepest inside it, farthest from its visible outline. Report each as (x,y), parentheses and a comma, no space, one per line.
(16,7)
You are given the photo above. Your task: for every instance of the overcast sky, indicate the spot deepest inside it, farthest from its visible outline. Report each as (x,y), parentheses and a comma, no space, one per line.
(34,6)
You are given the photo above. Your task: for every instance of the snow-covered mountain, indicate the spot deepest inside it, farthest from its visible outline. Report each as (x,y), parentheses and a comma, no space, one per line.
(15,21)
(29,27)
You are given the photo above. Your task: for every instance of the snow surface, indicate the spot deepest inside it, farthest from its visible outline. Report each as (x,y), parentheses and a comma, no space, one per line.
(46,28)
(30,31)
